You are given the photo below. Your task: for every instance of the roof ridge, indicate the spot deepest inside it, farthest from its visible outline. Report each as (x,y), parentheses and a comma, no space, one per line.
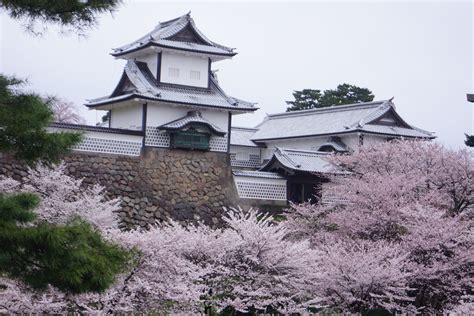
(175,27)
(163,31)
(333,108)
(375,114)
(166,23)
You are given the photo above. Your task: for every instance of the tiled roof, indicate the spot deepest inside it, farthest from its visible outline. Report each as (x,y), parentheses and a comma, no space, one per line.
(257,174)
(301,160)
(145,86)
(332,120)
(241,136)
(193,117)
(162,36)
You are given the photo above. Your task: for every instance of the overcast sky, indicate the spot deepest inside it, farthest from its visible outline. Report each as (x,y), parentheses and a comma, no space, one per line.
(419,53)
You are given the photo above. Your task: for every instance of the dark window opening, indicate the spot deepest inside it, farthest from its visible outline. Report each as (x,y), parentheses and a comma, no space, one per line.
(327,148)
(190,140)
(303,192)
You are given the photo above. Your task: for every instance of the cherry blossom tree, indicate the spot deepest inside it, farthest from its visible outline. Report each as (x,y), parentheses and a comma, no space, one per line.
(258,268)
(64,111)
(249,265)
(401,242)
(64,197)
(402,238)
(394,174)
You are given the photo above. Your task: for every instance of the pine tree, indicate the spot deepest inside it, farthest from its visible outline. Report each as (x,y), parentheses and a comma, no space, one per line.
(343,94)
(24,119)
(469,140)
(75,15)
(73,256)
(304,100)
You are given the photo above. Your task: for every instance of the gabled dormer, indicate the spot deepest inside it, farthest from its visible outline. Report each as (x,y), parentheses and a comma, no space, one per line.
(176,52)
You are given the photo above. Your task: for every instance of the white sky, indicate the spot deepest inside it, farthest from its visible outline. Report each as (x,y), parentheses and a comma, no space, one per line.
(420,53)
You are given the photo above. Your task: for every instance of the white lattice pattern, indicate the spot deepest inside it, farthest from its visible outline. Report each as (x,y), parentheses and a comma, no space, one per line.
(156,138)
(109,146)
(252,162)
(218,143)
(274,191)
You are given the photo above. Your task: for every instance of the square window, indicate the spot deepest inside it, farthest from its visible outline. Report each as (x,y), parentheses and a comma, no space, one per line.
(195,75)
(173,72)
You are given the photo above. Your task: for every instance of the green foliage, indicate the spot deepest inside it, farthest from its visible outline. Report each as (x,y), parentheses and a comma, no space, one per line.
(74,14)
(72,257)
(343,94)
(304,100)
(24,118)
(469,140)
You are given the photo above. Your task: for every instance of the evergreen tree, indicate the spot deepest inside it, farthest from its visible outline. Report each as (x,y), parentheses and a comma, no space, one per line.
(75,15)
(343,94)
(73,257)
(24,118)
(469,140)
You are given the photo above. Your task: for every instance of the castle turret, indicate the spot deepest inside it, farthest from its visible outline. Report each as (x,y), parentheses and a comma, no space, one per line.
(168,79)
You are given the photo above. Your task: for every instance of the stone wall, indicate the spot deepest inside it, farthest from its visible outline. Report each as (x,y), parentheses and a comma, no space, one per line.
(187,186)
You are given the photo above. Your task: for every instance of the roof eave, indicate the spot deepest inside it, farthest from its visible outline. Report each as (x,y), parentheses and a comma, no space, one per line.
(137,96)
(304,136)
(153,44)
(335,134)
(249,146)
(395,135)
(214,131)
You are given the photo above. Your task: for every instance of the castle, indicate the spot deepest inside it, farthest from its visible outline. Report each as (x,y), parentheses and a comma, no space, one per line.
(170,134)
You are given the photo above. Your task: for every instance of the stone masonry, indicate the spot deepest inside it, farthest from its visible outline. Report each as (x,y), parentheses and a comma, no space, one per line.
(187,186)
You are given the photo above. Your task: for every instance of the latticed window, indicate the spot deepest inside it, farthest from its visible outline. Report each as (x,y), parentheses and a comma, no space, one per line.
(190,140)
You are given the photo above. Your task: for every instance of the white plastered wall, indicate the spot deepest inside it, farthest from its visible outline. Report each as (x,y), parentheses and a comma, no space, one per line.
(245,157)
(374,139)
(129,117)
(185,65)
(352,141)
(310,143)
(244,149)
(151,60)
